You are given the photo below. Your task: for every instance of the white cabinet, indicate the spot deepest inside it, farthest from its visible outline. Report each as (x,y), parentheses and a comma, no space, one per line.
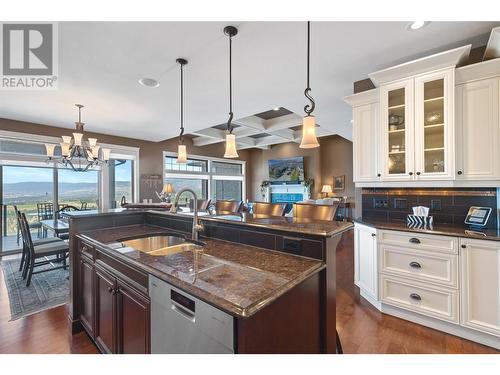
(480,285)
(477,120)
(417,128)
(365,260)
(365,135)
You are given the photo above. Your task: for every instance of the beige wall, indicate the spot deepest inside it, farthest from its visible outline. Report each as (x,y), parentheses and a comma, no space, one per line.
(332,158)
(150,153)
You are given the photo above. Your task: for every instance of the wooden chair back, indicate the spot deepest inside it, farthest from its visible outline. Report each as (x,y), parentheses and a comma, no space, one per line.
(315,211)
(271,209)
(228,206)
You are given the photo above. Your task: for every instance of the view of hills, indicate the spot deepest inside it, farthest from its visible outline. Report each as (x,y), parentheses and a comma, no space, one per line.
(32,191)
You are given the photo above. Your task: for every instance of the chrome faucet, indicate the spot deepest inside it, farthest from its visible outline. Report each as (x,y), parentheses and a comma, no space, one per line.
(197,227)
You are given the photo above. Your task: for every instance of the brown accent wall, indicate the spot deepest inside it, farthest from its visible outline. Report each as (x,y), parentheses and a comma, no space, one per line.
(150,153)
(333,157)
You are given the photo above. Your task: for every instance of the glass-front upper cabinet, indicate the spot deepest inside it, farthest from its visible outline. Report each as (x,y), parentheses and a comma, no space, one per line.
(434,144)
(397,130)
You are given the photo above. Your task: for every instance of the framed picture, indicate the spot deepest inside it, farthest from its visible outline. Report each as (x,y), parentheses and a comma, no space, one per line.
(339,182)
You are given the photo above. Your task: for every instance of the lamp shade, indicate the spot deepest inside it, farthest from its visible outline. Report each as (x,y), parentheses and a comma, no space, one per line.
(106,153)
(66,139)
(181,154)
(95,151)
(230,146)
(78,138)
(65,148)
(50,150)
(309,139)
(92,142)
(326,189)
(168,188)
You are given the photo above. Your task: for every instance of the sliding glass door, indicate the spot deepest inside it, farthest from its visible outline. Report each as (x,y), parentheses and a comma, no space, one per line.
(25,187)
(78,189)
(121,181)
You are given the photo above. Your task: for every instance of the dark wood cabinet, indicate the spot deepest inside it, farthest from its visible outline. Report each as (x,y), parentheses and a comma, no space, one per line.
(87,295)
(133,321)
(106,311)
(114,306)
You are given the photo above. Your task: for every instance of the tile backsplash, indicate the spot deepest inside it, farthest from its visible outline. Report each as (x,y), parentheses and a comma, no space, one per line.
(447,205)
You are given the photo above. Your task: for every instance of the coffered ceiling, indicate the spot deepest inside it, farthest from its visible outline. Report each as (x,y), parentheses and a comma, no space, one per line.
(100,64)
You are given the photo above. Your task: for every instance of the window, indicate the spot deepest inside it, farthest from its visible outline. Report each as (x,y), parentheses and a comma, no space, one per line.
(192,165)
(24,187)
(208,177)
(226,189)
(121,178)
(78,189)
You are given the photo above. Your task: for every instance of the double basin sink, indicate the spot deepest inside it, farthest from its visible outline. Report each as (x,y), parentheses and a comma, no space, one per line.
(161,244)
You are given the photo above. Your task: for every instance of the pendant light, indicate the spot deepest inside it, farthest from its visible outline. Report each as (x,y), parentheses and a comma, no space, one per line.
(181,148)
(230,152)
(309,139)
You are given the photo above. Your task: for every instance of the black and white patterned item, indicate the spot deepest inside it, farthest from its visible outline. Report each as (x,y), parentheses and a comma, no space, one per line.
(415,221)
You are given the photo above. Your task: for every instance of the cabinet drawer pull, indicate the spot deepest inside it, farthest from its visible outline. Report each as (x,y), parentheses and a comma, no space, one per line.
(416,297)
(418,173)
(464,246)
(459,172)
(373,234)
(378,175)
(414,240)
(110,289)
(415,265)
(411,173)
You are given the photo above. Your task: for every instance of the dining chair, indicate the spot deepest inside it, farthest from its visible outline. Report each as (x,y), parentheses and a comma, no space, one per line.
(315,211)
(83,206)
(266,208)
(38,255)
(36,242)
(65,208)
(228,206)
(45,211)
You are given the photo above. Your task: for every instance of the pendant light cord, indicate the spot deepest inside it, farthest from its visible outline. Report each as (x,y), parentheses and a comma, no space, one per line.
(309,108)
(229,126)
(181,140)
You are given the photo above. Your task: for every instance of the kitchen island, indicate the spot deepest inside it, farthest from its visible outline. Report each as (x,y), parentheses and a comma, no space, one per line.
(273,285)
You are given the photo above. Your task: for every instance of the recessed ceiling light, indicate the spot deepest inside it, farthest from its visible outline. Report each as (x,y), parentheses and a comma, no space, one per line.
(416,25)
(149,82)
(276,108)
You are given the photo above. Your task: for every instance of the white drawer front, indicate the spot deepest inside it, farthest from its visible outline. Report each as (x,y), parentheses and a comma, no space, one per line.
(440,303)
(430,242)
(420,265)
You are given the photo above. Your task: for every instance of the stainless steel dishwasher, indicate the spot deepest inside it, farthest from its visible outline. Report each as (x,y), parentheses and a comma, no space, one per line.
(181,323)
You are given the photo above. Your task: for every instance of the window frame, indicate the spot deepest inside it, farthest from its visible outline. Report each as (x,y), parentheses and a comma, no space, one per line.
(209,176)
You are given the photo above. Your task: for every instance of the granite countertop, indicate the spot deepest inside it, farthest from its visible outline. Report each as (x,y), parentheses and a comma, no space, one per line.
(441,229)
(238,279)
(284,223)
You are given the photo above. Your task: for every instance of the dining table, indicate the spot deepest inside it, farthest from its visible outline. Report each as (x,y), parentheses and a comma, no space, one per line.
(57,226)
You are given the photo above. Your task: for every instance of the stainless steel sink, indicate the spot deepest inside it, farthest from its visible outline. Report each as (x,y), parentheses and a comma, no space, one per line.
(161,245)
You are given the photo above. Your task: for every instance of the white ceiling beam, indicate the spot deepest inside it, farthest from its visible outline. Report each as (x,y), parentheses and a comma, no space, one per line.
(210,133)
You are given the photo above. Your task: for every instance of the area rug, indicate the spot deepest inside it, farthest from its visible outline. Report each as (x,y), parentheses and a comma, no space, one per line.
(47,290)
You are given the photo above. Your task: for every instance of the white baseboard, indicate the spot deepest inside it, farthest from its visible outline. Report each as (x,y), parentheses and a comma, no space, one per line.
(371,300)
(453,329)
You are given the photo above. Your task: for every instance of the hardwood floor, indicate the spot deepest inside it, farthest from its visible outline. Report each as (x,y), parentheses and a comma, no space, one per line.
(362,328)
(44,332)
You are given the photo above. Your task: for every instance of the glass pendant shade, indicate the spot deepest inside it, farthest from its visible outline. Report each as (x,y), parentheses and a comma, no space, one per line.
(66,139)
(230,146)
(92,142)
(309,139)
(95,151)
(64,149)
(78,138)
(181,154)
(106,153)
(50,150)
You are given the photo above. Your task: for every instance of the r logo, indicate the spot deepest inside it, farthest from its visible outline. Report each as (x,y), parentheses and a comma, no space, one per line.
(27,49)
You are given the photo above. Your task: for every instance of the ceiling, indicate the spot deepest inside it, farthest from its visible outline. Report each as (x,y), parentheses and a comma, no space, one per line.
(101,62)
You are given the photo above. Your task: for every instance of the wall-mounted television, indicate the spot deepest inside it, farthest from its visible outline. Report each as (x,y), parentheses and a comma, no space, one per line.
(286,170)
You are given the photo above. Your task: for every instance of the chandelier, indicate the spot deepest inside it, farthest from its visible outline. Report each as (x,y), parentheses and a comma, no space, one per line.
(76,152)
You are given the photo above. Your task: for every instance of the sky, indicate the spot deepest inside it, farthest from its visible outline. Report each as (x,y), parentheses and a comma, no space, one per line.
(28,174)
